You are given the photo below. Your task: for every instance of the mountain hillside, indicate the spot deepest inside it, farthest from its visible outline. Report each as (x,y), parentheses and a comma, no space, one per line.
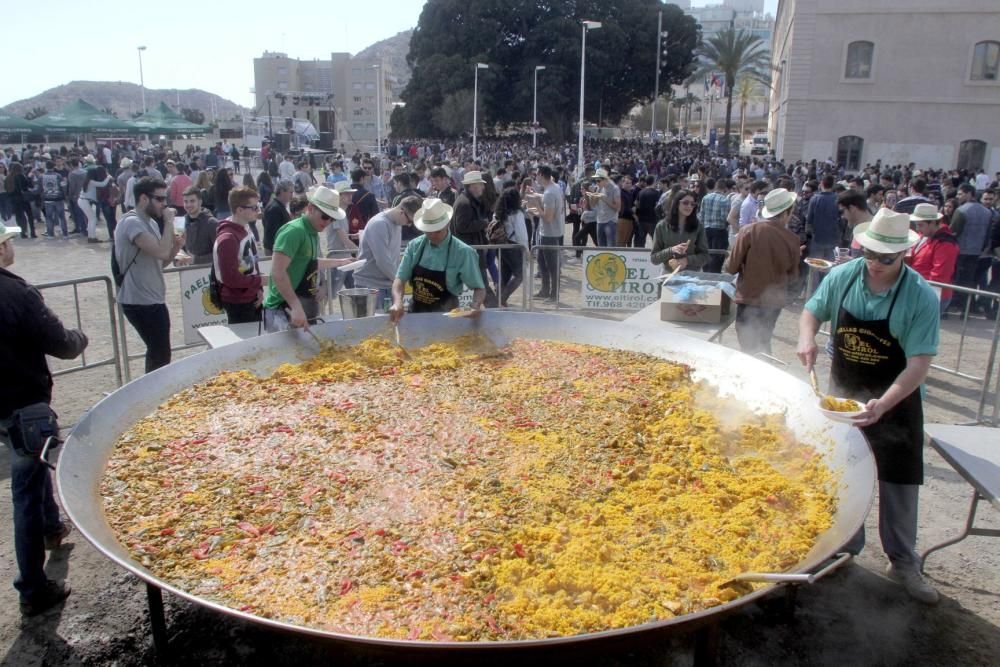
(125,99)
(393,50)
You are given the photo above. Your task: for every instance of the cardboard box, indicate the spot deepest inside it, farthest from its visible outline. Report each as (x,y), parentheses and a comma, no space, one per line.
(706,303)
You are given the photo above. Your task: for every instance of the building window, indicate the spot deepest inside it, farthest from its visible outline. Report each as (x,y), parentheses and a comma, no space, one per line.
(356,85)
(370,85)
(985,61)
(282,85)
(282,71)
(971,154)
(859,60)
(849,152)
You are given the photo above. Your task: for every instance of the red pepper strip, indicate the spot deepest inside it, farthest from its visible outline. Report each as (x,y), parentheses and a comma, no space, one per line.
(519,550)
(345,586)
(199,554)
(489,598)
(492,623)
(248,528)
(214,531)
(416,574)
(257,488)
(167,531)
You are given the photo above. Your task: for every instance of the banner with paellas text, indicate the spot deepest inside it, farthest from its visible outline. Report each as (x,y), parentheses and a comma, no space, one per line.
(196,307)
(619,280)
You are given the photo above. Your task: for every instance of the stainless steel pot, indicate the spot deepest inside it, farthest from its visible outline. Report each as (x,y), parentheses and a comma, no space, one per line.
(761,386)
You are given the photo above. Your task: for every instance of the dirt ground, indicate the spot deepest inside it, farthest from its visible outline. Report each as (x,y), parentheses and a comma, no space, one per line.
(855,616)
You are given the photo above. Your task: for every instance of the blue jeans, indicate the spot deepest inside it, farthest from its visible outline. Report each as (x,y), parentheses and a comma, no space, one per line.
(606,233)
(35,516)
(55,212)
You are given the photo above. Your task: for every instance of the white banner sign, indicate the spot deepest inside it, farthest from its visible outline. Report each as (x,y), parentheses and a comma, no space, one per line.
(196,307)
(618,280)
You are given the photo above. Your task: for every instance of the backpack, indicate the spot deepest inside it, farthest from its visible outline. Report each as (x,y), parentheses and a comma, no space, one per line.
(356,216)
(116,270)
(214,288)
(495,232)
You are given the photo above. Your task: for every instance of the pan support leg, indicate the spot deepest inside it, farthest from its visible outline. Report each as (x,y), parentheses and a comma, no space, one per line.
(706,646)
(158,622)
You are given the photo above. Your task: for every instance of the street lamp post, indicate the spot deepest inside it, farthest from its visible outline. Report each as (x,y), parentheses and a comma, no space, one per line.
(587,25)
(142,82)
(378,109)
(475,105)
(661,46)
(534,113)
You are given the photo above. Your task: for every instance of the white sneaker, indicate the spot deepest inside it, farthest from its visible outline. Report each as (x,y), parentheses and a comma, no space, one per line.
(915,586)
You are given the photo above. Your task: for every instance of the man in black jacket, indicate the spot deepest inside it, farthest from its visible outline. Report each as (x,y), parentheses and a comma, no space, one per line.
(29,331)
(276,213)
(469,221)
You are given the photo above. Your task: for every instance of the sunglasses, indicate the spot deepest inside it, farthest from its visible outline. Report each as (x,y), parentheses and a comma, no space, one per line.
(255,207)
(886,260)
(159,198)
(324,216)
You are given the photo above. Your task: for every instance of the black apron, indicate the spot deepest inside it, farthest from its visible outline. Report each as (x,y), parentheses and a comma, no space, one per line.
(430,288)
(308,287)
(867,359)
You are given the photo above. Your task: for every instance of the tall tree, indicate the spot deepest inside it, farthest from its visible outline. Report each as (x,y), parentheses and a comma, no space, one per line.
(735,54)
(513,36)
(747,92)
(193,116)
(36,112)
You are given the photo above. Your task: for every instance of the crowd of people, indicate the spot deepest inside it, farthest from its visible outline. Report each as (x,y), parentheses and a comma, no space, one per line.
(422,215)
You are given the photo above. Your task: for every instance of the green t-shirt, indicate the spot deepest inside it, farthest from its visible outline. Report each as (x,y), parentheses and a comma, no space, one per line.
(299,241)
(915,322)
(463,262)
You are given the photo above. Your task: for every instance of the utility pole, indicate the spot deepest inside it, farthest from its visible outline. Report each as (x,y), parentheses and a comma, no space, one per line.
(661,46)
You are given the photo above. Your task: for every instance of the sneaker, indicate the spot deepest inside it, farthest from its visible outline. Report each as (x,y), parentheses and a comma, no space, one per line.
(92,240)
(54,593)
(542,295)
(54,541)
(915,586)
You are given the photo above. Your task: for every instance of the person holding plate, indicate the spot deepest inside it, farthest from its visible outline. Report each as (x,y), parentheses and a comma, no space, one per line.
(884,319)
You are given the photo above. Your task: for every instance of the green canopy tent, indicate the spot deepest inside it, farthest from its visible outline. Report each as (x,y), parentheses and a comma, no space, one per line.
(82,118)
(164,120)
(11,124)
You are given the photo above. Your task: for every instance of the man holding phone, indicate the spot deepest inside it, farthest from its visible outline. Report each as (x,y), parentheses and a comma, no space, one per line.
(142,252)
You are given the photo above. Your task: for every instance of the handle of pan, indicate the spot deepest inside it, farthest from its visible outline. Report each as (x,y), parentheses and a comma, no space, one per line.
(50,443)
(840,559)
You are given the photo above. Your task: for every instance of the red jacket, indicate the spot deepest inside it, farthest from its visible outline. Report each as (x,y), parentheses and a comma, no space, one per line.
(235,261)
(934,258)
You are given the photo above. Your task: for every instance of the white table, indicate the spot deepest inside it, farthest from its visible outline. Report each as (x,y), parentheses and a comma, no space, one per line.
(226,334)
(974,453)
(710,332)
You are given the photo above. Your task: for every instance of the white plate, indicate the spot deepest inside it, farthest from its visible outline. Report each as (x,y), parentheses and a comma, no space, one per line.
(842,417)
(821,264)
(353,266)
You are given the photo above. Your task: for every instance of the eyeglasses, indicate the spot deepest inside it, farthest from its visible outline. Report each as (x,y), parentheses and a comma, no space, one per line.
(255,207)
(324,216)
(159,198)
(881,258)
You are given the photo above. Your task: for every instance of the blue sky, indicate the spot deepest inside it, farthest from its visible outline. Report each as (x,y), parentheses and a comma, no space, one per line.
(207,45)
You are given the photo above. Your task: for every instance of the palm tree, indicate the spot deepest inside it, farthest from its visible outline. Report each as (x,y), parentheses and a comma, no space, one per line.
(746,93)
(736,54)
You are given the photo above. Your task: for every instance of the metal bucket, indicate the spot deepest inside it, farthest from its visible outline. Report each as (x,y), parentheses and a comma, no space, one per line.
(357,302)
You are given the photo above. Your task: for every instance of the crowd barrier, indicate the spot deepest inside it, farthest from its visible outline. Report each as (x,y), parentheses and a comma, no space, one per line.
(86,364)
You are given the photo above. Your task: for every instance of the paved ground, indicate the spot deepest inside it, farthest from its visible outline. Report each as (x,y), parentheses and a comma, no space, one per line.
(854,617)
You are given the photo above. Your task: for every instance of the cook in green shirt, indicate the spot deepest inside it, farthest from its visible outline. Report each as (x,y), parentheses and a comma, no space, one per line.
(299,241)
(914,322)
(440,251)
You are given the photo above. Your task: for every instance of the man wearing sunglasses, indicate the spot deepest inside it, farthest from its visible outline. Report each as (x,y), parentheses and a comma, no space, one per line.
(290,299)
(884,319)
(145,243)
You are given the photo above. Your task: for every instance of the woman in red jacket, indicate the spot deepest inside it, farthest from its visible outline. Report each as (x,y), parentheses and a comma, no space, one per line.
(936,253)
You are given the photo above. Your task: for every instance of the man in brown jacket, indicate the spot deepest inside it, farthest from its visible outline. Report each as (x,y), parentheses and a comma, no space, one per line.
(766,256)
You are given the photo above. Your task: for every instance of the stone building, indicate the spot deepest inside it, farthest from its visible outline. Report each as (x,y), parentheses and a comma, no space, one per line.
(907,81)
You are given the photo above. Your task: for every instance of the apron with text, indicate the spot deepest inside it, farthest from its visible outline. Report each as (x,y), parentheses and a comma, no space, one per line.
(430,288)
(867,359)
(308,287)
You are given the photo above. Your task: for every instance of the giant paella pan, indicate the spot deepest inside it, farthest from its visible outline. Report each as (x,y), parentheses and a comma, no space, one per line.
(251,536)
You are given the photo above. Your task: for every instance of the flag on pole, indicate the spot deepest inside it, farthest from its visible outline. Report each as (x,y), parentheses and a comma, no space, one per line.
(716,81)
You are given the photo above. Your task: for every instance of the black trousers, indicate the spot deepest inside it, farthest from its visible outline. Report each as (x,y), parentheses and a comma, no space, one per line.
(152,323)
(718,239)
(580,237)
(242,313)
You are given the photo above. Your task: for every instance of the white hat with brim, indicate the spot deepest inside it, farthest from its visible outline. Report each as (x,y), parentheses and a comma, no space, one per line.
(472,177)
(777,201)
(925,213)
(8,232)
(433,215)
(600,173)
(343,187)
(888,232)
(89,159)
(125,163)
(327,201)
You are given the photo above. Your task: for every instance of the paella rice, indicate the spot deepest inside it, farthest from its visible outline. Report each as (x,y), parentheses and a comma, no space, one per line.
(554,490)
